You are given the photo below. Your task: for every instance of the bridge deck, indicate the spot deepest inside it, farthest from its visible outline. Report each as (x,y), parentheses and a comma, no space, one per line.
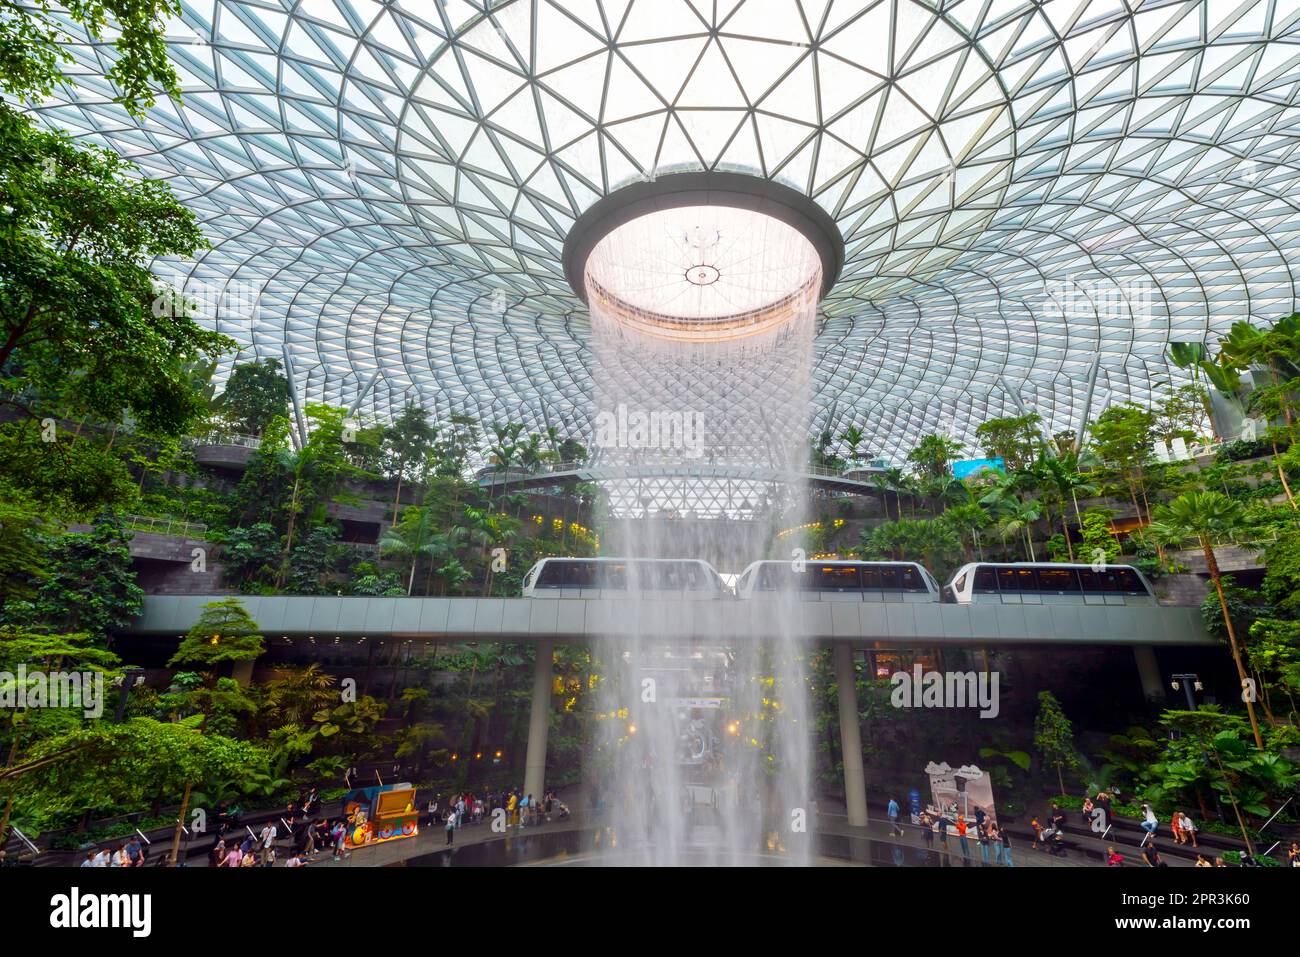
(582,619)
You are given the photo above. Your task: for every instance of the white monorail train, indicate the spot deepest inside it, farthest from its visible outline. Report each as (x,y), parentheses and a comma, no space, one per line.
(1048,583)
(840,581)
(684,578)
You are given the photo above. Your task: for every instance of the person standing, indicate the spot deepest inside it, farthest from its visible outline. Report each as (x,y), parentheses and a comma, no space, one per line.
(982,835)
(995,839)
(892,811)
(268,836)
(961,837)
(1006,848)
(451,827)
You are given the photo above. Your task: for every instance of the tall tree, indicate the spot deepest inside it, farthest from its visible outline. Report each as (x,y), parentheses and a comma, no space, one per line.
(224,634)
(1209,517)
(933,455)
(80,319)
(407,442)
(256,393)
(1014,438)
(1054,737)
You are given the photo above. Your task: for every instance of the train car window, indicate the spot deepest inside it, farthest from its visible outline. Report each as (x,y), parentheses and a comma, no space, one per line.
(891,578)
(835,578)
(1107,580)
(773,576)
(871,579)
(580,575)
(612,576)
(664,576)
(960,583)
(696,577)
(1127,580)
(1017,580)
(1088,580)
(1058,579)
(911,578)
(986,582)
(551,576)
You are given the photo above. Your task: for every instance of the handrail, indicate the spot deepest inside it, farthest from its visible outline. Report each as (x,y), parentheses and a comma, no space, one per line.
(228,438)
(165,526)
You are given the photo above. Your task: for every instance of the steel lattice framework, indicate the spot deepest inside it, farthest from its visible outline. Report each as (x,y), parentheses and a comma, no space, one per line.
(1020,185)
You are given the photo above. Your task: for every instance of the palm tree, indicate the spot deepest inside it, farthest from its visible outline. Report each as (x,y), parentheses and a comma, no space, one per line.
(895,480)
(293,697)
(1017,518)
(968,519)
(410,538)
(1061,476)
(852,437)
(1207,516)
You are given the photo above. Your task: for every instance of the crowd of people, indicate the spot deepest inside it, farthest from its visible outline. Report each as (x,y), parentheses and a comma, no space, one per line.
(517,808)
(1048,830)
(128,854)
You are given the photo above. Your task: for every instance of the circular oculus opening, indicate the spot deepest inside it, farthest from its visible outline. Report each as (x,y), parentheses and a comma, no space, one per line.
(703,273)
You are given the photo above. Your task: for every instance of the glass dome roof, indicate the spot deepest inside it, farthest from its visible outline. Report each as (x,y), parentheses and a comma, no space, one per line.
(1020,185)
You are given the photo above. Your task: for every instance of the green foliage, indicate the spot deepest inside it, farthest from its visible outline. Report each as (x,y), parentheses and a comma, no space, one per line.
(1097,537)
(1054,736)
(126,765)
(70,477)
(88,586)
(1244,607)
(256,393)
(1014,438)
(224,633)
(34,37)
(933,455)
(934,543)
(22,556)
(79,316)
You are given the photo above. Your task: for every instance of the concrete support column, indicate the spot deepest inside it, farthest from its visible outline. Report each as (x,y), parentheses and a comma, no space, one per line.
(539,715)
(855,779)
(1153,687)
(242,671)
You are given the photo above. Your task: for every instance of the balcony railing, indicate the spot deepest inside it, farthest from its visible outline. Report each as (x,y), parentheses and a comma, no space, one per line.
(165,526)
(228,438)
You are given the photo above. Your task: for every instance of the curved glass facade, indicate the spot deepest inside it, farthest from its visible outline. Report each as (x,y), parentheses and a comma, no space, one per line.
(1020,186)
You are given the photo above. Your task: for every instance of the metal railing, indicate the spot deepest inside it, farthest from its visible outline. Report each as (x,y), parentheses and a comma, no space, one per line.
(164,526)
(228,438)
(517,472)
